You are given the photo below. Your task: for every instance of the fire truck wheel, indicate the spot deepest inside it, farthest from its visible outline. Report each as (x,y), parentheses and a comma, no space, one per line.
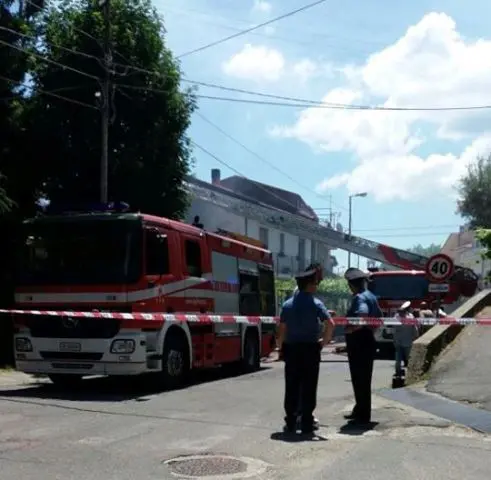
(66,381)
(251,361)
(175,361)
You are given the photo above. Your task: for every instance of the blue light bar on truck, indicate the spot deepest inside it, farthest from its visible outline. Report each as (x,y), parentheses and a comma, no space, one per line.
(111,207)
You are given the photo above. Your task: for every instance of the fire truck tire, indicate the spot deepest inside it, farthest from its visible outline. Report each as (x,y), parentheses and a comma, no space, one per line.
(175,360)
(251,360)
(65,380)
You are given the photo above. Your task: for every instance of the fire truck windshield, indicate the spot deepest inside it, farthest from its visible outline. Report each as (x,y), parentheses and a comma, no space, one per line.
(89,251)
(399,286)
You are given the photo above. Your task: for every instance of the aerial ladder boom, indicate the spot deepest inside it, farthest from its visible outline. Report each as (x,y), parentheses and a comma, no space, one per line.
(304,228)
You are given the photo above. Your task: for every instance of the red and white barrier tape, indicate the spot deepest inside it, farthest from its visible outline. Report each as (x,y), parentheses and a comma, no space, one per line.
(201,318)
(159,317)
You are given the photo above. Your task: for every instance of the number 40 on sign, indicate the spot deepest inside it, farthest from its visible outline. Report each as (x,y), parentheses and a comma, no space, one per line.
(439,268)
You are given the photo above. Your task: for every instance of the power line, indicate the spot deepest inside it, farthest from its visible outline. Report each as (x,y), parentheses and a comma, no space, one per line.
(298,102)
(257,184)
(404,235)
(48,60)
(61,47)
(302,103)
(429,227)
(302,33)
(259,157)
(343,107)
(251,29)
(81,31)
(51,94)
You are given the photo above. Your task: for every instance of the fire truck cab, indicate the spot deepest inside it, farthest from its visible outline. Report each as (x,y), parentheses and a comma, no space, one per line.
(392,288)
(115,261)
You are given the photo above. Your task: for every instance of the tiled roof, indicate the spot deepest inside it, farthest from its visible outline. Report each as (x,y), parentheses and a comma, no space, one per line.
(269,195)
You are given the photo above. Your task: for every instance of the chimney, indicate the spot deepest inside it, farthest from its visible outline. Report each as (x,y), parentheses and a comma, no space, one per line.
(215,176)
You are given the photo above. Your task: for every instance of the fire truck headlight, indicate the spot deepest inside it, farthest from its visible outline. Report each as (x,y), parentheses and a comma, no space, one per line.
(23,344)
(123,346)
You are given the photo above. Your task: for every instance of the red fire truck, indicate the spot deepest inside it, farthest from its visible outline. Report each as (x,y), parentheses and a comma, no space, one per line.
(394,287)
(115,261)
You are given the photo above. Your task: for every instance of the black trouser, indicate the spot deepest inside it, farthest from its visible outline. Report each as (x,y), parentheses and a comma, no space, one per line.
(361,348)
(302,361)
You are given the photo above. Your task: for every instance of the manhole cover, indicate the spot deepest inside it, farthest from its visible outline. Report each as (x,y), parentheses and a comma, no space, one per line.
(213,466)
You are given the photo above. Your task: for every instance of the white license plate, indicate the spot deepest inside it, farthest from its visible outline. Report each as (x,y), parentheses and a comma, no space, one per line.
(70,347)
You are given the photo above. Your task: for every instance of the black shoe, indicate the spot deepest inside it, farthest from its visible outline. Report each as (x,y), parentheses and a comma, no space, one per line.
(315,422)
(289,428)
(308,429)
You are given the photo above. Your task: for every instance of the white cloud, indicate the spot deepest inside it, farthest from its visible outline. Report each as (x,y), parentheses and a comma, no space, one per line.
(256,63)
(431,65)
(260,63)
(261,6)
(305,69)
(408,177)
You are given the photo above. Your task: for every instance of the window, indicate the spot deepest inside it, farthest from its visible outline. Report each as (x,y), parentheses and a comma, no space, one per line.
(399,287)
(264,236)
(157,253)
(80,252)
(249,296)
(301,253)
(282,243)
(193,258)
(267,291)
(313,251)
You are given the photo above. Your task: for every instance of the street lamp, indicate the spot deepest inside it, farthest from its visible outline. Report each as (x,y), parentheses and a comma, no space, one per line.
(361,194)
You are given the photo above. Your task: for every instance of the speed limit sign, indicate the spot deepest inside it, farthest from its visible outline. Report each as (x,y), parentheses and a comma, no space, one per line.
(439,267)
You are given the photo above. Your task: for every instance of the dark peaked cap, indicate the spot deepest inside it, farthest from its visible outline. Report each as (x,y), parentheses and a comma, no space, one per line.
(355,274)
(305,274)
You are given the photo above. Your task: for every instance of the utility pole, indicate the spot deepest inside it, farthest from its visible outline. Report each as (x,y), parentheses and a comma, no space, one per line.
(105,100)
(349,227)
(350,210)
(330,212)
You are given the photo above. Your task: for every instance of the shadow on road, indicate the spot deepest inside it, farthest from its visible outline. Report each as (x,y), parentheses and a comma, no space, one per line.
(353,429)
(297,437)
(117,389)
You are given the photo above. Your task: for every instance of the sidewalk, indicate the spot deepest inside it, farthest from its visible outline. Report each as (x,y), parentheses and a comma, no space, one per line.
(10,377)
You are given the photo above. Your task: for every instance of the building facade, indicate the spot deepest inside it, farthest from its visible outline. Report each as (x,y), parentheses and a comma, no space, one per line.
(292,252)
(465,250)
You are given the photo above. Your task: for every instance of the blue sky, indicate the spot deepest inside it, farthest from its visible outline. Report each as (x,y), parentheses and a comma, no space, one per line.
(402,54)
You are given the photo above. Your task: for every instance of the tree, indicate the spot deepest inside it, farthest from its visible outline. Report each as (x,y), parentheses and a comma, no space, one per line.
(484,236)
(475,194)
(337,286)
(428,251)
(12,72)
(149,152)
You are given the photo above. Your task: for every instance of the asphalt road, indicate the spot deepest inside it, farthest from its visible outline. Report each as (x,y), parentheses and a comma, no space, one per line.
(109,431)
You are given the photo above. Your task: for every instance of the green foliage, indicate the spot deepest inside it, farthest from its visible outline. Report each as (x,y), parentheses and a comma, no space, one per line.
(484,236)
(52,147)
(327,286)
(334,292)
(149,150)
(428,251)
(475,194)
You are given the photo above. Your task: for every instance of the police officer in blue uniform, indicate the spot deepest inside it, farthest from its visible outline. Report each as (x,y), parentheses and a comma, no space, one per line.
(360,345)
(300,321)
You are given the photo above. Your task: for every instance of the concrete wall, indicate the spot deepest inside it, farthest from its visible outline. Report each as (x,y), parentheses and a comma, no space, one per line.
(427,348)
